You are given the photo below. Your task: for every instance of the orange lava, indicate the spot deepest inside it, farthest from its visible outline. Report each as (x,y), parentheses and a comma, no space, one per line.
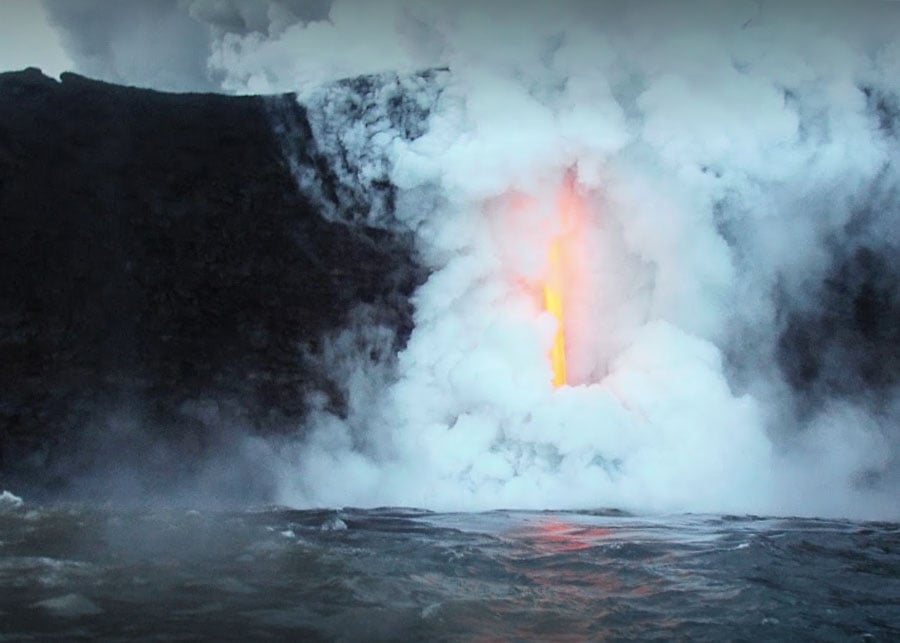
(568,206)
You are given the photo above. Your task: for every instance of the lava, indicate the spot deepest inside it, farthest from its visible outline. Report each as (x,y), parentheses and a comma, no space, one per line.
(553,301)
(568,206)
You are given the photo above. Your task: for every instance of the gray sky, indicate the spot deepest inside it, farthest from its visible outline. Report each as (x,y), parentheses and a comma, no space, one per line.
(162,44)
(27,40)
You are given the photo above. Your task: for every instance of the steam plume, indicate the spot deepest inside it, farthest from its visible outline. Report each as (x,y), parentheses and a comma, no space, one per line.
(736,347)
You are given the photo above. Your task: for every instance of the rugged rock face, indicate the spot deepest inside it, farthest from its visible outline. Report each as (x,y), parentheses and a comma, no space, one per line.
(159,263)
(850,346)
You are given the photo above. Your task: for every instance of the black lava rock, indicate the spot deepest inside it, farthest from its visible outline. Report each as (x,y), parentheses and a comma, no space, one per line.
(158,261)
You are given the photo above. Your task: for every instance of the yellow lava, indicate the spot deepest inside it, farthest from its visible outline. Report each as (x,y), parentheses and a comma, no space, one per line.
(553,287)
(553,301)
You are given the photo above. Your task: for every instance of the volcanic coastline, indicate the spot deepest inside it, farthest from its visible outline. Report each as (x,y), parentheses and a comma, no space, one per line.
(165,282)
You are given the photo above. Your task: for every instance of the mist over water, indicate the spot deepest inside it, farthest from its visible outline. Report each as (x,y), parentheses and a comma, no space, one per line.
(732,330)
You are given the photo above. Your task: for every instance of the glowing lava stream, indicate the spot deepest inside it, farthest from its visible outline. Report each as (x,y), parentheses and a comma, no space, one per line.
(553,301)
(553,287)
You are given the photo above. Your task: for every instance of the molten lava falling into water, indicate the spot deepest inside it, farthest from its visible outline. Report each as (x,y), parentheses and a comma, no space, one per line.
(553,287)
(553,300)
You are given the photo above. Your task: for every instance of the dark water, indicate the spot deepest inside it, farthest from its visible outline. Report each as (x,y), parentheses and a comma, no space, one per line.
(71,573)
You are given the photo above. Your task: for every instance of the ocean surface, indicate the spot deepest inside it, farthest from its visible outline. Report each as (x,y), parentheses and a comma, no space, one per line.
(70,572)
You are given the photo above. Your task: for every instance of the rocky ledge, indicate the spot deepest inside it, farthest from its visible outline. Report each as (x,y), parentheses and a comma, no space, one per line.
(164,281)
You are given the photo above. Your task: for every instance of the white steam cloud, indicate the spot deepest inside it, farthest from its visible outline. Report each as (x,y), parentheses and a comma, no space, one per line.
(724,151)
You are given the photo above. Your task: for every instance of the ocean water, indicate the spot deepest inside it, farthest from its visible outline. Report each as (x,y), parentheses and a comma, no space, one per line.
(70,572)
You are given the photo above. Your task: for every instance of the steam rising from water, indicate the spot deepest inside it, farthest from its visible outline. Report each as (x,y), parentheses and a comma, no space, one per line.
(735,160)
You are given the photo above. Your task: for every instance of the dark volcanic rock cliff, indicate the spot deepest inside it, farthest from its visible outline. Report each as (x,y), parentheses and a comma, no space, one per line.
(159,267)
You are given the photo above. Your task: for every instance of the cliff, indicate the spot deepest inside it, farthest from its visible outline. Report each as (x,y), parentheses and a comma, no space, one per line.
(161,269)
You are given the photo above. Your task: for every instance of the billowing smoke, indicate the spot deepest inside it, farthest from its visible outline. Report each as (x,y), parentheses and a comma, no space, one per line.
(734,343)
(165,44)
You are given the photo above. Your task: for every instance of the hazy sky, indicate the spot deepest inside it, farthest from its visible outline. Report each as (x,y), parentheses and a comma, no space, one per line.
(27,40)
